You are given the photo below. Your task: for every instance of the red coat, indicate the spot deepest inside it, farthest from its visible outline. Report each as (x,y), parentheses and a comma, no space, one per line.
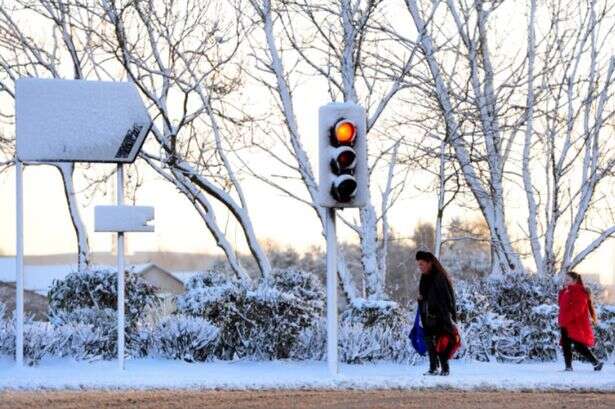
(574,314)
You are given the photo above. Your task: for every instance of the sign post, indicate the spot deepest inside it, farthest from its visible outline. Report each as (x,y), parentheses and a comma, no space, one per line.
(19,263)
(79,121)
(120,273)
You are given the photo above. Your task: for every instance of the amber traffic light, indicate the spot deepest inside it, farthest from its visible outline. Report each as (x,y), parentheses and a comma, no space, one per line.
(345,132)
(343,155)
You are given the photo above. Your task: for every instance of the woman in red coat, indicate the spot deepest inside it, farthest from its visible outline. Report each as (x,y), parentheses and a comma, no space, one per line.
(575,311)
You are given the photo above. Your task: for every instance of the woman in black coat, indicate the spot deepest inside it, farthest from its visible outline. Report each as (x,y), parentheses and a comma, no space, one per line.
(437,309)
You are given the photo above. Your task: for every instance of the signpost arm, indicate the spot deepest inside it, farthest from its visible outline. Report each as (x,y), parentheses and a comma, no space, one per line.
(331,292)
(120,272)
(19,263)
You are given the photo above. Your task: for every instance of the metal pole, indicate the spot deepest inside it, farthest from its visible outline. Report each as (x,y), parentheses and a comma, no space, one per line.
(120,272)
(19,265)
(331,293)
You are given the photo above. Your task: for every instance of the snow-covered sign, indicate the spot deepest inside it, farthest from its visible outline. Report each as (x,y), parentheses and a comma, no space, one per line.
(123,218)
(79,121)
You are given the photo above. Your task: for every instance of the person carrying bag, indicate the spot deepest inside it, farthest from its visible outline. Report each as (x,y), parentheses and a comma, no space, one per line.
(438,313)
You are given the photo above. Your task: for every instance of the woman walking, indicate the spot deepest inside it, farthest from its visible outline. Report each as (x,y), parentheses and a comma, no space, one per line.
(575,310)
(438,312)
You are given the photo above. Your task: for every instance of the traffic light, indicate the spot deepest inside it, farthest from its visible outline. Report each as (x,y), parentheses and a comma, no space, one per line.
(343,155)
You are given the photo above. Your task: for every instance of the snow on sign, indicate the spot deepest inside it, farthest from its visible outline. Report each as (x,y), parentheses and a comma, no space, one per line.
(79,121)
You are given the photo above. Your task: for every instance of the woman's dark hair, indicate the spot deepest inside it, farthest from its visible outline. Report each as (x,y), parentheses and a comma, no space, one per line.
(436,266)
(577,277)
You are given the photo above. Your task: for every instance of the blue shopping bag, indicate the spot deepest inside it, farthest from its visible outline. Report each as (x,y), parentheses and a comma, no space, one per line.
(417,335)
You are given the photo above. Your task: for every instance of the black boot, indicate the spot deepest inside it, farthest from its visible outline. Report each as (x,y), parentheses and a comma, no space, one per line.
(445,368)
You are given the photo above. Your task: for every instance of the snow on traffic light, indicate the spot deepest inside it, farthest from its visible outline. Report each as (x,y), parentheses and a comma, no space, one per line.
(343,155)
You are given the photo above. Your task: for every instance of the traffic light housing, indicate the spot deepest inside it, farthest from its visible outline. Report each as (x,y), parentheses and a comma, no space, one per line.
(343,155)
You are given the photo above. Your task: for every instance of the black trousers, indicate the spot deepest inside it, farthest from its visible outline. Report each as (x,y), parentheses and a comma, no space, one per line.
(567,344)
(437,360)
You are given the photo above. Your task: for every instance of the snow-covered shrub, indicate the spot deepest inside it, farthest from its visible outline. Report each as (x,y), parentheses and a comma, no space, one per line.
(98,289)
(7,334)
(311,343)
(541,332)
(220,300)
(515,319)
(485,333)
(261,323)
(89,333)
(40,340)
(82,307)
(183,337)
(375,330)
(605,331)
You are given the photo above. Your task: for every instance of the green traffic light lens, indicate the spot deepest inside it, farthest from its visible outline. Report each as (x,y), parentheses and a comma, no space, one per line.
(344,190)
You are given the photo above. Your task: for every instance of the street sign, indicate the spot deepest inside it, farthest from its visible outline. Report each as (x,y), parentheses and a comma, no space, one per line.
(79,121)
(123,219)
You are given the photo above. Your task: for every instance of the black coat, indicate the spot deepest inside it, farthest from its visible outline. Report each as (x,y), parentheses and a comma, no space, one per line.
(437,305)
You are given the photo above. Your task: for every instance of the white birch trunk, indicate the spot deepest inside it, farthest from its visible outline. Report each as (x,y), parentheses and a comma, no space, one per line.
(83,249)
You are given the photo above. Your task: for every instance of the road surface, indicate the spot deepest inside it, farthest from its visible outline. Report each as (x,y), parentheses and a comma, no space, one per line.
(161,399)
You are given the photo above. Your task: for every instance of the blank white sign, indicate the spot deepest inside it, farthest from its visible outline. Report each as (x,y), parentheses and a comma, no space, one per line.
(79,121)
(123,218)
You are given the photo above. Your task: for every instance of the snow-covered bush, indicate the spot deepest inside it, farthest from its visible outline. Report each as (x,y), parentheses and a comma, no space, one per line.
(605,331)
(311,343)
(40,340)
(82,308)
(260,323)
(183,337)
(7,333)
(89,333)
(514,319)
(375,330)
(220,300)
(98,289)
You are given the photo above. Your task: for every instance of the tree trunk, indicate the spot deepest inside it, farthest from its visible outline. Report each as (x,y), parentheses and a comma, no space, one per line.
(83,249)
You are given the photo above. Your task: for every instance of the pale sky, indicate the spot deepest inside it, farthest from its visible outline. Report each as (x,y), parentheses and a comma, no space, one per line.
(179,228)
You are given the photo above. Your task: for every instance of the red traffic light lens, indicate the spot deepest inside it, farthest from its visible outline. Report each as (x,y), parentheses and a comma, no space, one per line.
(345,132)
(346,159)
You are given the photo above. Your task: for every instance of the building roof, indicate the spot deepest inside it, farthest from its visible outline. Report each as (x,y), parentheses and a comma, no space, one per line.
(39,278)
(184,276)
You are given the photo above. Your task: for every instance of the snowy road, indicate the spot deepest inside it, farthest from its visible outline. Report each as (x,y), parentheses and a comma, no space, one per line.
(167,374)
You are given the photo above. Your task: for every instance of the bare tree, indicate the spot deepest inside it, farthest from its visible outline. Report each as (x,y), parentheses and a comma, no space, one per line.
(564,79)
(469,96)
(23,55)
(568,148)
(336,42)
(183,60)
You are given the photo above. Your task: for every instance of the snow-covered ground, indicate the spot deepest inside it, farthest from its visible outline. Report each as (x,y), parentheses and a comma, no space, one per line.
(158,373)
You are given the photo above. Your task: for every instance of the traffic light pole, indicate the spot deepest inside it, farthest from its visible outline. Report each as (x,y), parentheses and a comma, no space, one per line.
(331,292)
